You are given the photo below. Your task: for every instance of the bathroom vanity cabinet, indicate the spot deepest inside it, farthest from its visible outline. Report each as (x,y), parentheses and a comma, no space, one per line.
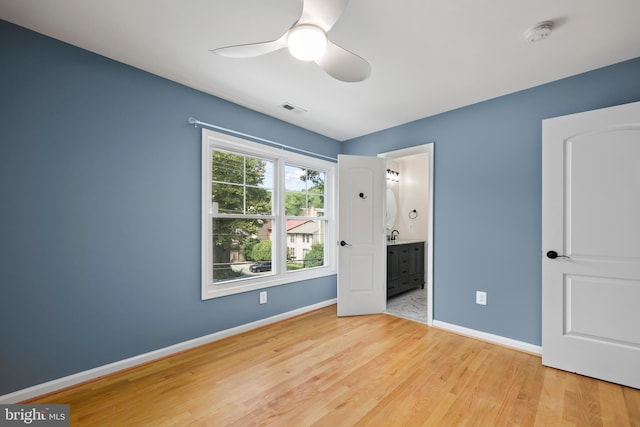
(405,267)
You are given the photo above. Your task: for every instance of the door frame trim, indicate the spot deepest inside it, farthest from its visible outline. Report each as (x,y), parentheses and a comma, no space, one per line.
(429,149)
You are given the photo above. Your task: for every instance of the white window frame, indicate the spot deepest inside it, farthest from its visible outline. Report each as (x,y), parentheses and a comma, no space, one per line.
(219,141)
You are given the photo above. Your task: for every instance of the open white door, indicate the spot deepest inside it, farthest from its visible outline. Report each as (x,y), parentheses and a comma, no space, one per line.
(591,244)
(362,285)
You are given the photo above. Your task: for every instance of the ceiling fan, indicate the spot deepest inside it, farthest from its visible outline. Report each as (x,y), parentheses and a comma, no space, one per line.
(307,40)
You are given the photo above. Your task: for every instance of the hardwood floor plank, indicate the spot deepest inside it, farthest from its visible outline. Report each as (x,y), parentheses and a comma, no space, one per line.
(321,370)
(614,411)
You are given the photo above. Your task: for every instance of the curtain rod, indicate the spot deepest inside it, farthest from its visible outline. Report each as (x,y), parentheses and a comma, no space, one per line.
(196,122)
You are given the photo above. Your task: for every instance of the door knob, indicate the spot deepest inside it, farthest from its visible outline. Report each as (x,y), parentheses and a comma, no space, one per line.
(554,255)
(343,243)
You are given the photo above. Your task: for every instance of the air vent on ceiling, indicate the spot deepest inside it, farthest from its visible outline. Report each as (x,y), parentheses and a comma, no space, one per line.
(294,109)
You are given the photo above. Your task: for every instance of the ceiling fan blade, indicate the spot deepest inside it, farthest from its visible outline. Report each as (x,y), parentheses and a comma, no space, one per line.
(343,65)
(322,13)
(252,49)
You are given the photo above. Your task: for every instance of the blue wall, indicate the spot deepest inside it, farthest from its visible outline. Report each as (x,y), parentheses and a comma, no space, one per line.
(100,212)
(487,220)
(100,216)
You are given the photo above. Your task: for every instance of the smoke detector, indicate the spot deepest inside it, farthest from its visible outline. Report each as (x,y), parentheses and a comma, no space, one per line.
(538,32)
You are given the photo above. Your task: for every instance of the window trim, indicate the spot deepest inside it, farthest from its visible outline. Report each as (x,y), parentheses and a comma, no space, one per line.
(220,141)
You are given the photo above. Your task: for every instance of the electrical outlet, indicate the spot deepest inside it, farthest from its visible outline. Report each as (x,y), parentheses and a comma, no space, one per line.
(263,297)
(481,298)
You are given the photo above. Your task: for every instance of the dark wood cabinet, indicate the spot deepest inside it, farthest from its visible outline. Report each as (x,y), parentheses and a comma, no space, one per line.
(405,267)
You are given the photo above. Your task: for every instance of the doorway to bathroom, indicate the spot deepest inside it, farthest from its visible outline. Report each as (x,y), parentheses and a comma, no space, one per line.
(409,218)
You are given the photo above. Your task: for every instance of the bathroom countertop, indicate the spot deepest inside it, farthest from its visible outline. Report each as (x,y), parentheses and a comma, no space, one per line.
(404,242)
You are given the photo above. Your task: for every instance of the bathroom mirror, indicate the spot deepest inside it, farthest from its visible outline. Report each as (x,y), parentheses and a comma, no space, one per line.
(392,209)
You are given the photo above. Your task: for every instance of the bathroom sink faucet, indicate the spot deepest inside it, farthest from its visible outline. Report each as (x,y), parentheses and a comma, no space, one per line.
(393,236)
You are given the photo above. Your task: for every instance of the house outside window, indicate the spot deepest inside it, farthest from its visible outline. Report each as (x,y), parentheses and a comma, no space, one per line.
(304,235)
(266,216)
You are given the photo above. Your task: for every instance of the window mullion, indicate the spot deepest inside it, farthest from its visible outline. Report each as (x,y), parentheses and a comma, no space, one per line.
(244,184)
(279,193)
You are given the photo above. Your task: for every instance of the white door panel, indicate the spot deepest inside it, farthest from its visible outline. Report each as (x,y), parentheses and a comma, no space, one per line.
(609,320)
(360,230)
(599,206)
(591,211)
(362,259)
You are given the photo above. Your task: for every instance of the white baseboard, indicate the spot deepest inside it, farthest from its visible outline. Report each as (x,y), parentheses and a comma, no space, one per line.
(495,339)
(80,377)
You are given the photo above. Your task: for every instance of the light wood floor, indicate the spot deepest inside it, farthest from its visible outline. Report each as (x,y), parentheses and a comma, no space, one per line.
(380,370)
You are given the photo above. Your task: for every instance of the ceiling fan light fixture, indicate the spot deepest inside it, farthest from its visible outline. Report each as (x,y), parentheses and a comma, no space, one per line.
(307,42)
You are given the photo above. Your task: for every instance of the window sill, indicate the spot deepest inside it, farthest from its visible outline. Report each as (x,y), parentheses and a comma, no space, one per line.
(240,286)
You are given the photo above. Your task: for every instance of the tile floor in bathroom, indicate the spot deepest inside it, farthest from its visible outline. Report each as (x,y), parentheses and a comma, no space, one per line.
(411,305)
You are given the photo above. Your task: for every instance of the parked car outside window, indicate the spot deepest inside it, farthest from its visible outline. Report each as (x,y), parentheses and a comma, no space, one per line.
(260,266)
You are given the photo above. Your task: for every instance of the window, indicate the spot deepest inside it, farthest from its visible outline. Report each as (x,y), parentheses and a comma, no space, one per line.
(266,216)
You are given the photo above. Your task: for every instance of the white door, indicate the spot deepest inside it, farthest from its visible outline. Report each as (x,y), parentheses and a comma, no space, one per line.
(362,271)
(591,219)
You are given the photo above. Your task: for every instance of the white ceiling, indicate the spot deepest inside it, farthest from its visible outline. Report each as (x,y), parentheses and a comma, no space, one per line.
(427,56)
